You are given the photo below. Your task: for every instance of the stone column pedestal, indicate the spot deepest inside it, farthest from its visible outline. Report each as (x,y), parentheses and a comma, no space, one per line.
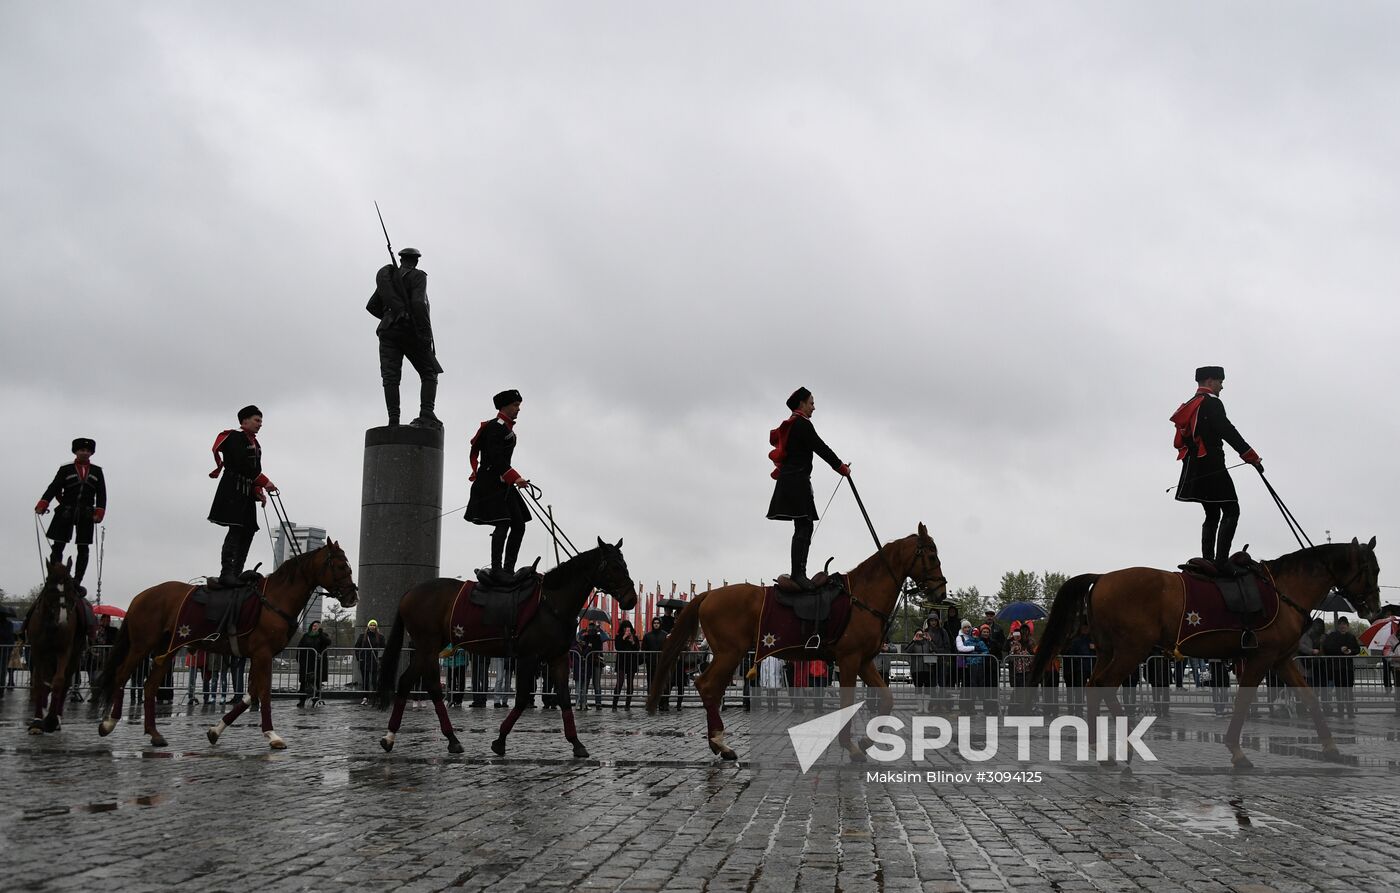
(400,533)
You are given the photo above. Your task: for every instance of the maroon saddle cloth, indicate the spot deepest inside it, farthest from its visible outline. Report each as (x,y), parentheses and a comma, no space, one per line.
(1203,608)
(207,615)
(491,616)
(789,622)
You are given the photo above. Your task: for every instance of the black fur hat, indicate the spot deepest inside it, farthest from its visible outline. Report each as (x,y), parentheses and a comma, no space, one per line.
(797,397)
(506,398)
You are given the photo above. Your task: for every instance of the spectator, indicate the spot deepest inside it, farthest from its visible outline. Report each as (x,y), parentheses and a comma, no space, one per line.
(1079,665)
(196,661)
(652,643)
(994,635)
(218,675)
(1309,653)
(626,646)
(952,623)
(8,653)
(369,647)
(668,620)
(1159,679)
(971,664)
(920,665)
(1341,647)
(770,679)
(1220,685)
(237,667)
(456,674)
(311,657)
(590,666)
(1020,658)
(504,668)
(944,672)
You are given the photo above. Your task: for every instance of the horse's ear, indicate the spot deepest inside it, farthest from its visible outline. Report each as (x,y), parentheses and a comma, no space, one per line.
(1372,543)
(1355,541)
(619,542)
(600,542)
(923,531)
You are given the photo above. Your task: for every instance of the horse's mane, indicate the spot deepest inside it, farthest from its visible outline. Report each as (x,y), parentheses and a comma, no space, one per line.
(292,567)
(1309,559)
(565,570)
(876,563)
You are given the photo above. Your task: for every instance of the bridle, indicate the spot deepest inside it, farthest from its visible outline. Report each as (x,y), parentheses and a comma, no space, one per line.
(334,562)
(906,582)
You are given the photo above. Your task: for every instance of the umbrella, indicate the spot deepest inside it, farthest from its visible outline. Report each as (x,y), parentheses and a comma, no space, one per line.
(1021,611)
(1335,602)
(597,614)
(676,603)
(109,609)
(1381,633)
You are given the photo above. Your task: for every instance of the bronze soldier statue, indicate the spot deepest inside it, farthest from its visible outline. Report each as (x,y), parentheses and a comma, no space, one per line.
(400,303)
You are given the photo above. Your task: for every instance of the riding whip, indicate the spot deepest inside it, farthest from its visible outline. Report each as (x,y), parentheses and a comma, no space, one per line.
(101,551)
(39,542)
(1210,473)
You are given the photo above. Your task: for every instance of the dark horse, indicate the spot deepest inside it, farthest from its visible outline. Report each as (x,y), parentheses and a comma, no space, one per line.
(1130,611)
(425,615)
(150,626)
(53,631)
(729,617)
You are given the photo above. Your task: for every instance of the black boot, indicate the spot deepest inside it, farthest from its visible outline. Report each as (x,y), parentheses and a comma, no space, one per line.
(391,402)
(801,545)
(427,397)
(614,704)
(1225,538)
(229,565)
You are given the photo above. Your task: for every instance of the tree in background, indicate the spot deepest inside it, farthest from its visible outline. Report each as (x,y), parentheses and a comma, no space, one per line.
(338,622)
(1027,586)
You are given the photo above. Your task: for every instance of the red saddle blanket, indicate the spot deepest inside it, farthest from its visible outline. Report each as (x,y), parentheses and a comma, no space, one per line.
(194,624)
(780,629)
(1203,609)
(469,621)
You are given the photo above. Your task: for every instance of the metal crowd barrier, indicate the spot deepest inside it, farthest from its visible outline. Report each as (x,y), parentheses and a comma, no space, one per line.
(941,681)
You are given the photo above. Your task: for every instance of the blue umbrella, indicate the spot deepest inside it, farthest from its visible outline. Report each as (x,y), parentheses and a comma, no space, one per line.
(1021,611)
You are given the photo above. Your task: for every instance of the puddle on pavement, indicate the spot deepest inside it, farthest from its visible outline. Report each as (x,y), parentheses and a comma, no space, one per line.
(1231,817)
(113,805)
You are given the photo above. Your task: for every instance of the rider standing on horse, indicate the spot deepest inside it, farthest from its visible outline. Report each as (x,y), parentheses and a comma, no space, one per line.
(495,499)
(794,442)
(1201,428)
(400,303)
(238,455)
(81,490)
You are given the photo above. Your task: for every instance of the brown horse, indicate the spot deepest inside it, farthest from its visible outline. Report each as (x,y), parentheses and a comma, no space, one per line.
(425,614)
(150,626)
(729,617)
(1131,611)
(53,632)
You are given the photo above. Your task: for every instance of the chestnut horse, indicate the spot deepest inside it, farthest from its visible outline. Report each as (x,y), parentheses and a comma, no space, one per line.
(1131,611)
(56,642)
(729,618)
(150,626)
(425,614)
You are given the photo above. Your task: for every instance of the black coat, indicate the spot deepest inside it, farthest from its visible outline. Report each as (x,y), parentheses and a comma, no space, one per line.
(1204,478)
(1343,649)
(627,649)
(235,500)
(792,495)
(78,498)
(494,497)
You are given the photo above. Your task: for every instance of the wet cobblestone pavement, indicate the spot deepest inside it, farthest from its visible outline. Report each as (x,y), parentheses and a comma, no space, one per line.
(652,810)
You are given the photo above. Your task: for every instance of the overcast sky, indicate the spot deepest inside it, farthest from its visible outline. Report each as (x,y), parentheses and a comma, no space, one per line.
(994,239)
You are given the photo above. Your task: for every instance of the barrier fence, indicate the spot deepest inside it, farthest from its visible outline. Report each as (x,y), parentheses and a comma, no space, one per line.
(921,681)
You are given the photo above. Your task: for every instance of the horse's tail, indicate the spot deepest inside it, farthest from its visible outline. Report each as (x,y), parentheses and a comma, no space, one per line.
(102,687)
(1071,602)
(389,662)
(687,624)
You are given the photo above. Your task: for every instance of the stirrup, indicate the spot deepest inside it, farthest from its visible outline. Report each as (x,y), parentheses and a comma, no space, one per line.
(1248,640)
(814,643)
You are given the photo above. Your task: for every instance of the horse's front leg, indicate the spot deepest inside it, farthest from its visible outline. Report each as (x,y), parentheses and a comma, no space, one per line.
(524,694)
(58,694)
(39,695)
(239,706)
(850,666)
(559,666)
(260,684)
(434,678)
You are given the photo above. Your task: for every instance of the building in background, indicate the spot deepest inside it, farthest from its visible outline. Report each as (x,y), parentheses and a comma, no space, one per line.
(306,539)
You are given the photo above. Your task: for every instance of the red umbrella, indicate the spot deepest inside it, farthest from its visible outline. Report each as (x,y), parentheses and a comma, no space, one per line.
(113,610)
(1381,633)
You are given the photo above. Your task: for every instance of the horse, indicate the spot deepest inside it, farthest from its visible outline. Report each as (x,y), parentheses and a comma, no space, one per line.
(150,627)
(425,614)
(53,630)
(729,618)
(1130,611)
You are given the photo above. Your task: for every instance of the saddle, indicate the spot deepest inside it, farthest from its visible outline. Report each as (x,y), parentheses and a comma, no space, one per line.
(223,607)
(500,599)
(813,605)
(1237,579)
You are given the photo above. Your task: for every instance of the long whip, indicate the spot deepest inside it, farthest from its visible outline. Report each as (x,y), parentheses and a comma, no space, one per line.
(39,542)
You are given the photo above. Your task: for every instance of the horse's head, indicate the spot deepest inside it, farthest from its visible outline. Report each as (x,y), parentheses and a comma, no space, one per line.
(58,585)
(333,573)
(1361,578)
(612,577)
(923,566)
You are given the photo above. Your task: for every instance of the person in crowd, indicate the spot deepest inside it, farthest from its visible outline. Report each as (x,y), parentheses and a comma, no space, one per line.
(590,666)
(626,646)
(311,660)
(197,663)
(218,678)
(369,647)
(771,680)
(454,661)
(973,651)
(1019,657)
(8,653)
(944,673)
(994,635)
(652,643)
(481,679)
(504,669)
(1219,670)
(1159,680)
(920,665)
(1342,647)
(1078,658)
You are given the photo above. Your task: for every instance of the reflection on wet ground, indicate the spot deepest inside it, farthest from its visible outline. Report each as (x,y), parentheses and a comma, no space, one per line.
(652,809)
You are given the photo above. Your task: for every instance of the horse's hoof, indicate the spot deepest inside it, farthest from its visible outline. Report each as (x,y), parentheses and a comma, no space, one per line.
(52,723)
(455,746)
(728,754)
(157,740)
(35,730)
(580,752)
(103,730)
(1332,754)
(387,743)
(1242,764)
(498,747)
(213,736)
